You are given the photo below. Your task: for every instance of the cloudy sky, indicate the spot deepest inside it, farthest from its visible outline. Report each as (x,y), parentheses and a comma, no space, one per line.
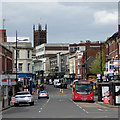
(67,22)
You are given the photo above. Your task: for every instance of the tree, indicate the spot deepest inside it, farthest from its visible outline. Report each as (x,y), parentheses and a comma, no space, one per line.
(95,67)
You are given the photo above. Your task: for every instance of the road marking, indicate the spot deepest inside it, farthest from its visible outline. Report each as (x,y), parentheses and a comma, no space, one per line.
(83,109)
(80,107)
(86,111)
(39,111)
(41,108)
(100,109)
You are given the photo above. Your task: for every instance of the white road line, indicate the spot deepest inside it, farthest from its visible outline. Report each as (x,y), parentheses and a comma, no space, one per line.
(83,109)
(100,109)
(39,111)
(86,111)
(80,107)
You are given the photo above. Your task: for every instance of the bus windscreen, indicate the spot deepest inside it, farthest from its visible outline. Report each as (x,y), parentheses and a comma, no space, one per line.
(84,89)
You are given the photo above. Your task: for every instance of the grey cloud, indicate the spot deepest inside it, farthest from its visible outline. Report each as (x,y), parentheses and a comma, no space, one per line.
(67,22)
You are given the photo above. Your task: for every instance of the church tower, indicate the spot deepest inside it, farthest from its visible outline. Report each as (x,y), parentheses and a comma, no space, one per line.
(40,35)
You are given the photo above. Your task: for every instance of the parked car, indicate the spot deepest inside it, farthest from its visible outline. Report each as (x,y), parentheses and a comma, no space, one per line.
(23,98)
(43,94)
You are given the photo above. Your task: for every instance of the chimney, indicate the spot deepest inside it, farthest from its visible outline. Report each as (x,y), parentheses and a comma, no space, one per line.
(118,30)
(39,27)
(97,42)
(46,27)
(3,36)
(88,41)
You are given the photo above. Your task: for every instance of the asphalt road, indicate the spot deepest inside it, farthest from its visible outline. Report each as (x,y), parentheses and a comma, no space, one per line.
(60,105)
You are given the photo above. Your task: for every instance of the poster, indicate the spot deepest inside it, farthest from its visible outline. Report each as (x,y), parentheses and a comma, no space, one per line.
(105,91)
(117,91)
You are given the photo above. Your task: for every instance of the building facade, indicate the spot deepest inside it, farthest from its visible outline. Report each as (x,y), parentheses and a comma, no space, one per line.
(81,53)
(113,56)
(59,64)
(24,62)
(7,79)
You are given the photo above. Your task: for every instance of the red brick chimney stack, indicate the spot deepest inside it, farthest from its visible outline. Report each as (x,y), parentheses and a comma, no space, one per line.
(3,36)
(119,30)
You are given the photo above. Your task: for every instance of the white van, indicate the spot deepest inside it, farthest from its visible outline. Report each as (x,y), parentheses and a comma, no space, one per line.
(50,82)
(56,82)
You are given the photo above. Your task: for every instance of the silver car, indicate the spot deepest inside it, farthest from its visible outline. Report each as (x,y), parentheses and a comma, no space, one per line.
(23,98)
(43,94)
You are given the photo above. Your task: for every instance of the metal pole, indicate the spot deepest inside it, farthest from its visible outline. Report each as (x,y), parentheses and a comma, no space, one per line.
(16,55)
(86,65)
(101,61)
(118,55)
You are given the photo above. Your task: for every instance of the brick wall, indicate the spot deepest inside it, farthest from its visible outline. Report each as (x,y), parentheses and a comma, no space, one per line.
(6,60)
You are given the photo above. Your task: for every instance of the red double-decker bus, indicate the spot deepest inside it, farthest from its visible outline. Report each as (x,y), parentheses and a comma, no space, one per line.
(83,90)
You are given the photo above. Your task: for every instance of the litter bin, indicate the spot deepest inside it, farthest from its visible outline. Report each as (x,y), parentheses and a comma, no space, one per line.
(114,92)
(106,100)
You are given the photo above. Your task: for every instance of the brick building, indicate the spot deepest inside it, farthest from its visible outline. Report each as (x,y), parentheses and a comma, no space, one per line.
(40,35)
(3,37)
(6,58)
(7,79)
(113,54)
(82,52)
(88,57)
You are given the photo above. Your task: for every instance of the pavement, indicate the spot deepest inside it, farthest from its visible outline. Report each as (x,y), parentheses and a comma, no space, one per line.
(106,105)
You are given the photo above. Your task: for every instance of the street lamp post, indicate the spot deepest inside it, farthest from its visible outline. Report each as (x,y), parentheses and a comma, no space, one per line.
(86,65)
(16,56)
(101,61)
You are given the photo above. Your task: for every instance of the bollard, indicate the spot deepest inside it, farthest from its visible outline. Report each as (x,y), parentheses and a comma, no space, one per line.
(61,90)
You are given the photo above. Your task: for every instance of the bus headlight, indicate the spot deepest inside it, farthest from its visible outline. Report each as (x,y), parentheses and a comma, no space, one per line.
(91,97)
(76,96)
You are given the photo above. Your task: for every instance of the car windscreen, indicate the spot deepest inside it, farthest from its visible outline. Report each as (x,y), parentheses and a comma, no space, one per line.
(22,93)
(84,89)
(43,92)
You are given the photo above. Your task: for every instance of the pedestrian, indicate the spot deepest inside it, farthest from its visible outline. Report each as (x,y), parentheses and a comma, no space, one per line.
(9,97)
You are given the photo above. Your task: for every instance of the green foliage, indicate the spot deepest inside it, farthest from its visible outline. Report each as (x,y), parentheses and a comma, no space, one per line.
(95,67)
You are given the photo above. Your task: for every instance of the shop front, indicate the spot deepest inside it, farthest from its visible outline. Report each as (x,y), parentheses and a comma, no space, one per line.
(25,81)
(8,84)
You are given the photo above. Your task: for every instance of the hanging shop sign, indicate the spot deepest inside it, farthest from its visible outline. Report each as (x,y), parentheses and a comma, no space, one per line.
(8,80)
(98,76)
(116,63)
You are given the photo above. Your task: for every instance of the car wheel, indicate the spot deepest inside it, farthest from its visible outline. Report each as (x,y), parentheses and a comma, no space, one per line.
(47,97)
(16,104)
(32,103)
(38,97)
